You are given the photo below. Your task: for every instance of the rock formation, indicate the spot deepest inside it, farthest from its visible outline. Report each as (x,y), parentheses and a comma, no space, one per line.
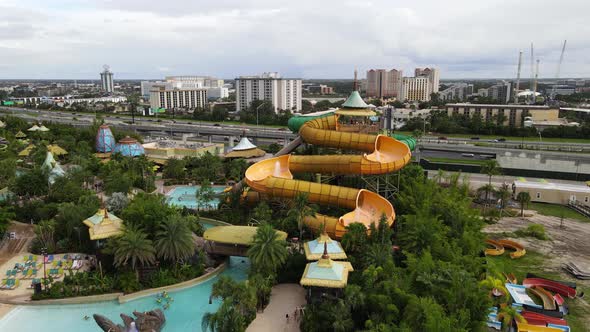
(149,321)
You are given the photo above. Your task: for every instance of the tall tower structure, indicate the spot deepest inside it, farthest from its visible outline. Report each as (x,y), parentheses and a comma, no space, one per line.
(106,79)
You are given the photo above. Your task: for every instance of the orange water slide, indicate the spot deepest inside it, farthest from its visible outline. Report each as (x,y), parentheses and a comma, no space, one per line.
(382,155)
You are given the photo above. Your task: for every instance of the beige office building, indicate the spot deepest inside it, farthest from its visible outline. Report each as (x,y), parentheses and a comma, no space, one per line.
(513,114)
(164,97)
(433,76)
(416,88)
(382,83)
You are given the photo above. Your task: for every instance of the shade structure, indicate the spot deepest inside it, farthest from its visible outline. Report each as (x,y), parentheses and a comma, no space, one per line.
(103,225)
(43,128)
(354,101)
(105,141)
(326,272)
(240,235)
(26,151)
(245,149)
(315,248)
(33,128)
(2,124)
(129,147)
(20,135)
(56,150)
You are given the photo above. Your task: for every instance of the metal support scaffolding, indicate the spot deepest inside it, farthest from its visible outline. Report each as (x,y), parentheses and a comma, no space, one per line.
(386,185)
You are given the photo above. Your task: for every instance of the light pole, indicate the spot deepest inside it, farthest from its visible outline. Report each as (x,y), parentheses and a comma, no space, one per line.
(44,253)
(257,108)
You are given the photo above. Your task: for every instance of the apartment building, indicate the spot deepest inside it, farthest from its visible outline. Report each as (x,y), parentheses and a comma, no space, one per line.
(513,114)
(433,75)
(457,91)
(416,88)
(283,93)
(164,97)
(382,83)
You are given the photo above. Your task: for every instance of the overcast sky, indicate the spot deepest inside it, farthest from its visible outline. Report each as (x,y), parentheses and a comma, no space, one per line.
(299,38)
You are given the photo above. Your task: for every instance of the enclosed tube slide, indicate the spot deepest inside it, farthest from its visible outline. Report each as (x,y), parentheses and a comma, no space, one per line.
(382,155)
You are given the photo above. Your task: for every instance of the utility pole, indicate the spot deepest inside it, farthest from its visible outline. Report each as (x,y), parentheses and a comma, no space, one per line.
(535,82)
(532,72)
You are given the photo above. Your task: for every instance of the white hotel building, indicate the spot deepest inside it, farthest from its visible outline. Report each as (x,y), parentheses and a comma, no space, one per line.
(167,98)
(283,93)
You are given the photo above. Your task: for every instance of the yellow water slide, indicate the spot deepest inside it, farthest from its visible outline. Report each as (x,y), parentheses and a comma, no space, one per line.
(381,155)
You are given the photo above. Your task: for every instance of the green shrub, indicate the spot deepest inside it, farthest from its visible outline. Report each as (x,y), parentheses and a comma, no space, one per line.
(533,230)
(127,282)
(293,269)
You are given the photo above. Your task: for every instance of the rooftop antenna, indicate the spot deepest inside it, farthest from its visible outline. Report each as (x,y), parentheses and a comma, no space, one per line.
(518,77)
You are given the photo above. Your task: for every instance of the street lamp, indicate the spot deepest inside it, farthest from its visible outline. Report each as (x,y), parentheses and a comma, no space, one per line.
(262,104)
(44,253)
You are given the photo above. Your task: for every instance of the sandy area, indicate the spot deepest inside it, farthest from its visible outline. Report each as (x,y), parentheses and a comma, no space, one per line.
(22,292)
(567,243)
(284,299)
(4,309)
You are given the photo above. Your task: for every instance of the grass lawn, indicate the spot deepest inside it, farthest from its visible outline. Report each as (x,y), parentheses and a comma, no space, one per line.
(532,262)
(456,161)
(555,210)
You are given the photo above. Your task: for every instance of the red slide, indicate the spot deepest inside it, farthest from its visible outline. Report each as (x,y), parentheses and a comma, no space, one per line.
(550,285)
(534,318)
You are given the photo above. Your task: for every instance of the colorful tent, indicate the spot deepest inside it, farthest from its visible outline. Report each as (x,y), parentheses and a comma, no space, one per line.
(326,272)
(245,149)
(105,141)
(314,249)
(103,224)
(129,147)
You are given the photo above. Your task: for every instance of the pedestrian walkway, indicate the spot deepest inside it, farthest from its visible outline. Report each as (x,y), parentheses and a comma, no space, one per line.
(284,299)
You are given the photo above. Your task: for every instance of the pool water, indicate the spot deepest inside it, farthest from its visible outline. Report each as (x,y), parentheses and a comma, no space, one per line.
(184,196)
(184,313)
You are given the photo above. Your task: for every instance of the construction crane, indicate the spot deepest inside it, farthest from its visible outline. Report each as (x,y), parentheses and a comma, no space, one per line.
(552,96)
(532,73)
(518,77)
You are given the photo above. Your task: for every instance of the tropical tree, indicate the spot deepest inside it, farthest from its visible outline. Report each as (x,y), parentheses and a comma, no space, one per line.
(117,202)
(267,252)
(440,176)
(507,315)
(301,210)
(523,198)
(45,232)
(132,248)
(226,319)
(174,241)
(204,194)
(490,168)
(491,283)
(504,196)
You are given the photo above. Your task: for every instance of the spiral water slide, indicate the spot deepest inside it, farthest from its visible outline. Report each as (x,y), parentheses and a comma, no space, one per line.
(382,154)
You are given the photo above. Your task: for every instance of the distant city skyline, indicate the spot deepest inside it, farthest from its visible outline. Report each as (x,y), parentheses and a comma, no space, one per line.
(308,39)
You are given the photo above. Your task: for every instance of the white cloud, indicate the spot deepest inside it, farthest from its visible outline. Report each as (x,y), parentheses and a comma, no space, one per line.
(319,38)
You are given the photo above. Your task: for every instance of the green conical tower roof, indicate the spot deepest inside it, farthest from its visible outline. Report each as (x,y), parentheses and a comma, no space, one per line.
(354,101)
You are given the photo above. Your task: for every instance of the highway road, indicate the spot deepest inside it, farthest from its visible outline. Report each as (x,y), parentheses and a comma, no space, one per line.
(152,126)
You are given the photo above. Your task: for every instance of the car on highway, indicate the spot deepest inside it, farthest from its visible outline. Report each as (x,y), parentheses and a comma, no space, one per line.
(475,138)
(217,125)
(470,155)
(442,138)
(501,139)
(282,129)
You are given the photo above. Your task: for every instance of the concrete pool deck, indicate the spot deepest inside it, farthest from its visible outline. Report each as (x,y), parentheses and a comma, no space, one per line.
(284,299)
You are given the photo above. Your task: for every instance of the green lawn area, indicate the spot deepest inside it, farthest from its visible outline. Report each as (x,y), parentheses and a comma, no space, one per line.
(456,161)
(532,262)
(555,210)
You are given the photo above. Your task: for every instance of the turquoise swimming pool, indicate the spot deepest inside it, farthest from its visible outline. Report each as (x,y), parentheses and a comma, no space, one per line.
(184,196)
(184,314)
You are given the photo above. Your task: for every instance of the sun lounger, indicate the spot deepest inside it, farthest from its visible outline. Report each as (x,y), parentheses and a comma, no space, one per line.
(3,284)
(15,284)
(49,259)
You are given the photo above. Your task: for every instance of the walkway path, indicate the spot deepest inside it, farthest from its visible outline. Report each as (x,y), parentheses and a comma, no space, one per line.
(284,299)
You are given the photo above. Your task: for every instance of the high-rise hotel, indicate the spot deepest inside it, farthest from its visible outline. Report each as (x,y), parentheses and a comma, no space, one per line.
(283,93)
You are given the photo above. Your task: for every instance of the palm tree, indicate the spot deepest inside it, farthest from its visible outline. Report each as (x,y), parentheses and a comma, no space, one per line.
(440,176)
(487,189)
(301,210)
(507,315)
(205,194)
(491,283)
(267,252)
(523,198)
(490,168)
(504,196)
(174,241)
(354,297)
(226,319)
(133,248)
